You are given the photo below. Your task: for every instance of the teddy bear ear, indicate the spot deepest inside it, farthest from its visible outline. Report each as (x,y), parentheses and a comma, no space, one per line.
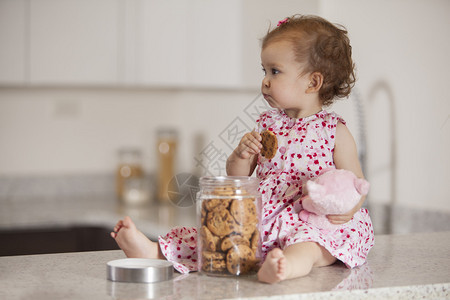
(362,186)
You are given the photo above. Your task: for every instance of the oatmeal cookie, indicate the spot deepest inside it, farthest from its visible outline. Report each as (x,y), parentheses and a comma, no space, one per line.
(245,230)
(230,241)
(208,239)
(254,240)
(213,261)
(216,266)
(244,211)
(211,204)
(220,222)
(240,260)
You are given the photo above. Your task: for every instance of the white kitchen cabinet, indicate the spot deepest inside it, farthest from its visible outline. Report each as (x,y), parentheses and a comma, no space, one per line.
(199,43)
(156,38)
(73,42)
(215,35)
(203,43)
(151,43)
(13,45)
(183,43)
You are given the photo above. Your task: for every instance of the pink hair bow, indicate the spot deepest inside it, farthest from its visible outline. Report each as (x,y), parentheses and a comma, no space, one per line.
(285,20)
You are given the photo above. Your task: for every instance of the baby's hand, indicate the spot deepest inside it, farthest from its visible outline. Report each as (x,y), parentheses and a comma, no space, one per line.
(341,219)
(249,145)
(344,218)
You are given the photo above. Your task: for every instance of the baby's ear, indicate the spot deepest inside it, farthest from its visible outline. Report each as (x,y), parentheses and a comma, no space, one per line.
(315,82)
(362,186)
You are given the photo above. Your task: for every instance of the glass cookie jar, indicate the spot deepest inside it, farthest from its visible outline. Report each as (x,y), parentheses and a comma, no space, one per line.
(228,215)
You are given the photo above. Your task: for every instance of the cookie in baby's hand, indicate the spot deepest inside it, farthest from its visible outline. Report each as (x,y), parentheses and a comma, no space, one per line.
(269,143)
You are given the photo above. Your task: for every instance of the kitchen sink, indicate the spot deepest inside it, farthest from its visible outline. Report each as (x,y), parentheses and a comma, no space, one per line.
(55,240)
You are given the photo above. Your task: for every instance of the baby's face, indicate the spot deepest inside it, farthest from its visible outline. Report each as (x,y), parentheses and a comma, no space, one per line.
(283,86)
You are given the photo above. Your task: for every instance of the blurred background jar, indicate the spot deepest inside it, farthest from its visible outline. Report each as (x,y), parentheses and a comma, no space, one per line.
(129,167)
(166,150)
(136,191)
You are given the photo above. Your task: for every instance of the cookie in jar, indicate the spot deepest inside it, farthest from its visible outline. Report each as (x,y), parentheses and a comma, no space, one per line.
(228,215)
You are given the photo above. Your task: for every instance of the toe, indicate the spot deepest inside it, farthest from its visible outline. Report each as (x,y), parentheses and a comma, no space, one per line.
(127,222)
(277,253)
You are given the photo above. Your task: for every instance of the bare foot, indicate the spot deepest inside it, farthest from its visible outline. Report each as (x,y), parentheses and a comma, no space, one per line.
(274,268)
(133,242)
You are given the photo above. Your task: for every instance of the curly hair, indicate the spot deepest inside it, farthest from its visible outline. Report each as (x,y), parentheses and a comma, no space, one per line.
(323,47)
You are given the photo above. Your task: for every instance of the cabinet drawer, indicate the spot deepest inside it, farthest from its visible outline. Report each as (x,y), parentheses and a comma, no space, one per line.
(55,240)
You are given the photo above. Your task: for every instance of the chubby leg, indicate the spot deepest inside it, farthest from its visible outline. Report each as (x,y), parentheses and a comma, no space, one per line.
(133,242)
(295,261)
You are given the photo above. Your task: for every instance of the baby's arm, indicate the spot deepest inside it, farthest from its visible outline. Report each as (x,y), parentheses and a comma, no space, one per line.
(346,157)
(242,161)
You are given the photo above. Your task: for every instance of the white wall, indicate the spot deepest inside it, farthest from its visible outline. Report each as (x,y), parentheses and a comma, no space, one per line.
(69,131)
(403,44)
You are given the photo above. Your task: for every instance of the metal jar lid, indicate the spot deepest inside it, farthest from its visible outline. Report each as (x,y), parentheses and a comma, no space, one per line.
(144,270)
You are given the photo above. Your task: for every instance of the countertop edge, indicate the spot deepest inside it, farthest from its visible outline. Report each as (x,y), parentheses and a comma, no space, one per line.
(427,291)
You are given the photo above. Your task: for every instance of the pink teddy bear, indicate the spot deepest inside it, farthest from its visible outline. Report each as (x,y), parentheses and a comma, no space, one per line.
(335,191)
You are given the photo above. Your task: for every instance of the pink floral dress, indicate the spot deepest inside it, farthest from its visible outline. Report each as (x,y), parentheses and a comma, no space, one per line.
(305,147)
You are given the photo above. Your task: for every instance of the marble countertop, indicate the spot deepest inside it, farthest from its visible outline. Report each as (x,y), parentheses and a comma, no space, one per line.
(399,266)
(413,265)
